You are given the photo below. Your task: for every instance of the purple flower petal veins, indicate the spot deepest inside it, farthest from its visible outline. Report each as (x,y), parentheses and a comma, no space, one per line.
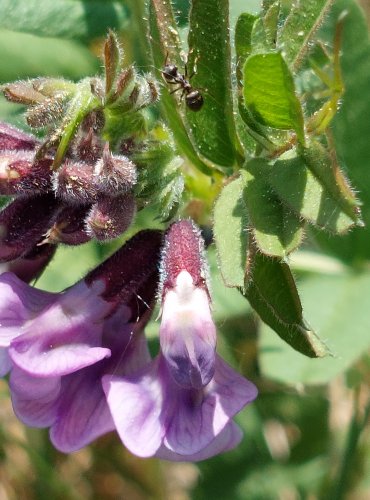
(187,332)
(74,406)
(64,335)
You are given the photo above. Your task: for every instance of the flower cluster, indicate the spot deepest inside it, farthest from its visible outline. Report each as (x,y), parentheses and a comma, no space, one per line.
(79,362)
(77,184)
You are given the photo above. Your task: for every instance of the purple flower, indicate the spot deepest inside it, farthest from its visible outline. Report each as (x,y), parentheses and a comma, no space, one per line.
(74,406)
(180,406)
(155,416)
(60,345)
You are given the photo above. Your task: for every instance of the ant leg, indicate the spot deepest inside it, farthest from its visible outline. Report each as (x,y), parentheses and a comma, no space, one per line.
(166,60)
(175,90)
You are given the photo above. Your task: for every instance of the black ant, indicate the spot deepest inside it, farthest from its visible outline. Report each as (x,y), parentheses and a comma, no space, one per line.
(193,98)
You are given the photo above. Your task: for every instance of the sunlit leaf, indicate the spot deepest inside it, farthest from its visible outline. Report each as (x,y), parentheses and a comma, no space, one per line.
(230,233)
(272,293)
(269,93)
(212,127)
(300,26)
(277,230)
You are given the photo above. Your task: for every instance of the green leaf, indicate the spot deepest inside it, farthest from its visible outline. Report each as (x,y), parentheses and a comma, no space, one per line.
(165,44)
(30,56)
(271,22)
(303,192)
(243,36)
(230,233)
(226,302)
(72,19)
(299,28)
(269,93)
(212,127)
(271,291)
(325,168)
(277,230)
(352,127)
(338,309)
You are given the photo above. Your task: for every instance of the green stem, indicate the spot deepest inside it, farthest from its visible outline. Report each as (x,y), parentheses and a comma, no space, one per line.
(355,429)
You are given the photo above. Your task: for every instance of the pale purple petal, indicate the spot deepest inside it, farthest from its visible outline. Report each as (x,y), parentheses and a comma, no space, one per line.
(19,303)
(136,404)
(65,336)
(228,439)
(5,362)
(83,413)
(35,400)
(188,334)
(150,409)
(199,416)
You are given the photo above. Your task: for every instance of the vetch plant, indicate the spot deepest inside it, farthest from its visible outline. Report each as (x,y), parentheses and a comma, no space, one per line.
(231,145)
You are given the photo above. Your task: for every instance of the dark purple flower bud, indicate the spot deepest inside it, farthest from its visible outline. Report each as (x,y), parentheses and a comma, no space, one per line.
(20,173)
(23,223)
(74,182)
(31,266)
(69,226)
(13,139)
(126,270)
(87,146)
(111,216)
(114,174)
(187,332)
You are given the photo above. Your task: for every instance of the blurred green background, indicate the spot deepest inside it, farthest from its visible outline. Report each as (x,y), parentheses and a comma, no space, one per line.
(306,435)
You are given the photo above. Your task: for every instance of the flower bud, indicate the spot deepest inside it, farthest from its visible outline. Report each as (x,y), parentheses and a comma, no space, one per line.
(45,112)
(114,174)
(75,182)
(22,92)
(145,92)
(23,223)
(21,174)
(87,146)
(111,216)
(69,226)
(13,139)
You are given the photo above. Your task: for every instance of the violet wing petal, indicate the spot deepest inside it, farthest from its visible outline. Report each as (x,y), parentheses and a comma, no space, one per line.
(195,417)
(19,303)
(35,401)
(83,410)
(83,413)
(135,403)
(66,336)
(5,361)
(228,439)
